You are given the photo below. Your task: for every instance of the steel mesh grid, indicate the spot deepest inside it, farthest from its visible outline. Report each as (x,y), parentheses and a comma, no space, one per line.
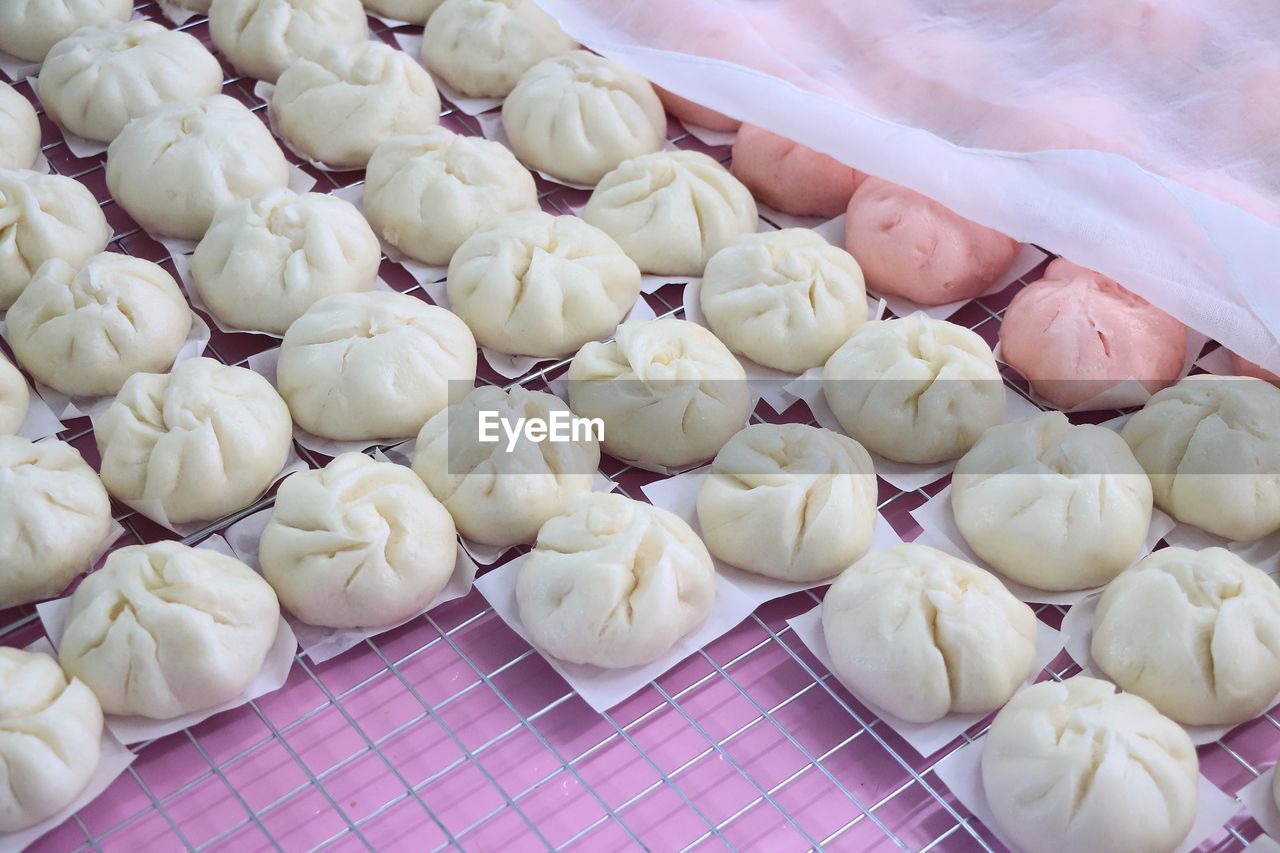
(747,743)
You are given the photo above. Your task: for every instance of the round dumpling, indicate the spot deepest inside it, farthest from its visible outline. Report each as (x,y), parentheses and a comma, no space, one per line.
(409,11)
(1195,633)
(915,389)
(922,634)
(197,443)
(672,211)
(94,81)
(15,397)
(482,47)
(19,130)
(578,115)
(337,107)
(500,495)
(85,332)
(614,583)
(265,260)
(44,217)
(28,28)
(1051,505)
(1076,767)
(789,501)
(50,738)
(264,37)
(174,167)
(1076,333)
(911,246)
(696,114)
(1211,446)
(785,299)
(667,391)
(426,194)
(54,516)
(163,630)
(790,177)
(358,543)
(541,285)
(374,365)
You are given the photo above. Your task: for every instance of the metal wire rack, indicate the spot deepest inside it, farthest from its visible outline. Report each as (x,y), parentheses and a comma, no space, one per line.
(450,732)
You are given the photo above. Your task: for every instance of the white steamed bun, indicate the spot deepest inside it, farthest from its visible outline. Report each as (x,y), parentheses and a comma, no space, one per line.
(409,11)
(50,738)
(15,397)
(1211,446)
(541,285)
(668,392)
(19,130)
(483,47)
(671,211)
(265,260)
(921,634)
(914,389)
(578,115)
(264,37)
(85,332)
(172,169)
(337,107)
(163,630)
(358,543)
(28,28)
(614,583)
(43,217)
(499,496)
(1195,633)
(785,299)
(197,443)
(95,81)
(1076,767)
(1051,505)
(54,516)
(789,501)
(373,365)
(426,194)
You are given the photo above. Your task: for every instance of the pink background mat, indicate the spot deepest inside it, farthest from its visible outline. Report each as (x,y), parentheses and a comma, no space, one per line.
(450,732)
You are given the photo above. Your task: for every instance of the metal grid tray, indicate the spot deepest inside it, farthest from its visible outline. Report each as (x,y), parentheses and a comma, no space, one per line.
(450,732)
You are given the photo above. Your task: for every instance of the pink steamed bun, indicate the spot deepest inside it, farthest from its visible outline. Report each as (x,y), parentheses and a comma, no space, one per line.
(1244,367)
(789,177)
(909,245)
(1075,333)
(686,110)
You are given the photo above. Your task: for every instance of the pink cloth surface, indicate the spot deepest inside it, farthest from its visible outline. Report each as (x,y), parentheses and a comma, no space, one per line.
(1126,135)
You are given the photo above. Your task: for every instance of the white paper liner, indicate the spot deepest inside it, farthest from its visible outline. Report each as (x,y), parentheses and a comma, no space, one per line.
(1123,395)
(961,772)
(1078,625)
(1261,804)
(177,15)
(41,164)
(903,475)
(412,45)
(603,688)
(1262,844)
(68,407)
(40,421)
(1217,361)
(422,273)
(707,136)
(925,738)
(937,519)
(131,729)
(485,555)
(321,644)
(113,759)
(18,69)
